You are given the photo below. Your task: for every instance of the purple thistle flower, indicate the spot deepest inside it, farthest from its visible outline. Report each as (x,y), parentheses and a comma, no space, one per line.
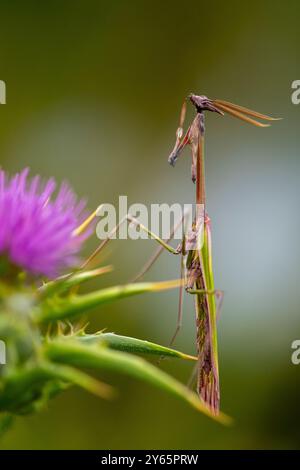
(37,229)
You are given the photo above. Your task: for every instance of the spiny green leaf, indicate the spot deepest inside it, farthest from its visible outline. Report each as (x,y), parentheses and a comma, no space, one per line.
(132,345)
(76,377)
(20,387)
(24,389)
(80,355)
(68,281)
(58,308)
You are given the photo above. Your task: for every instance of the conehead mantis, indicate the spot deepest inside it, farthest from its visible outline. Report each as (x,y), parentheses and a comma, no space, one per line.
(200,279)
(196,248)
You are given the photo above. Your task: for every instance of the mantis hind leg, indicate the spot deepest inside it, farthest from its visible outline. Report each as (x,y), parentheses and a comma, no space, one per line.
(164,245)
(153,259)
(129,219)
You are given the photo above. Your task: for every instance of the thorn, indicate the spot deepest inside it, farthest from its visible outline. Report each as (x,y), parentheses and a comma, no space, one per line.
(86,223)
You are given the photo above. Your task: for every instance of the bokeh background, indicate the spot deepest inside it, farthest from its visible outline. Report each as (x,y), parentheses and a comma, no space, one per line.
(94,90)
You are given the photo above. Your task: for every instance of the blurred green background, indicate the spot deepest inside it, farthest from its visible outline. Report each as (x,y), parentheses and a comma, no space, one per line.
(94,90)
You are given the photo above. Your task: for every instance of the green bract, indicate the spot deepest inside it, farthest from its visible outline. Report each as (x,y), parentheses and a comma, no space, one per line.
(45,355)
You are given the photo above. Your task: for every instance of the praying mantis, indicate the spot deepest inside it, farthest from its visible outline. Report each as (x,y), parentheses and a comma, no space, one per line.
(200,279)
(196,245)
